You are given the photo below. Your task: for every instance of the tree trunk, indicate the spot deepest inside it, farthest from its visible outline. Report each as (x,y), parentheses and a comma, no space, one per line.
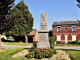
(0,41)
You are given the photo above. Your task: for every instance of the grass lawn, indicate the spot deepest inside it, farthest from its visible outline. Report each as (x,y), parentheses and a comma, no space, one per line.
(58,44)
(74,54)
(16,43)
(7,53)
(8,38)
(73,45)
(11,39)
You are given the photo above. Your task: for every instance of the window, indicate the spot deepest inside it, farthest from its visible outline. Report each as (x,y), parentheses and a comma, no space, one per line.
(73,28)
(73,37)
(58,28)
(65,28)
(58,37)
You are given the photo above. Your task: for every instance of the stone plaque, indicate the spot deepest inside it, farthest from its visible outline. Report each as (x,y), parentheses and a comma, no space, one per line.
(43,33)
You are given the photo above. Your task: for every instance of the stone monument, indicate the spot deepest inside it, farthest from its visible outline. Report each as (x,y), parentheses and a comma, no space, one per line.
(43,33)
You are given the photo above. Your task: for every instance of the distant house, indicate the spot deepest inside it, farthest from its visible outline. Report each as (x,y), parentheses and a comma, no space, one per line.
(33,36)
(4,37)
(66,31)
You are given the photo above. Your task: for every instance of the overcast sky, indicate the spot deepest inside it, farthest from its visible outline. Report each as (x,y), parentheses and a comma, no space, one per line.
(57,10)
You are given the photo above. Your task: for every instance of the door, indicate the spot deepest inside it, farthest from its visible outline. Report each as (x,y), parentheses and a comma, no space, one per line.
(66,39)
(73,37)
(30,40)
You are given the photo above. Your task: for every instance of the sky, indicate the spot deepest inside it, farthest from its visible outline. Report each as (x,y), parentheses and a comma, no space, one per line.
(56,10)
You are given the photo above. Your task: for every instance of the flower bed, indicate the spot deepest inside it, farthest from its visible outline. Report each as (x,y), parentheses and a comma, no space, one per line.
(41,53)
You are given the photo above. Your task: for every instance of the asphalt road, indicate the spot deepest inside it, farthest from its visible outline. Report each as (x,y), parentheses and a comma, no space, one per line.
(29,46)
(13,46)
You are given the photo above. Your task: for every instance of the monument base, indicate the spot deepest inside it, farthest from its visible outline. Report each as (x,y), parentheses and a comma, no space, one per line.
(43,45)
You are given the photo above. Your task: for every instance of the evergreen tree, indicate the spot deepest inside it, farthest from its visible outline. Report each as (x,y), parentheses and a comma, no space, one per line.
(50,33)
(24,24)
(35,29)
(79,3)
(6,21)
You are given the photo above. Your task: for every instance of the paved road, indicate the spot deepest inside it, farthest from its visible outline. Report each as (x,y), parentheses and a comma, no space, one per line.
(13,46)
(56,47)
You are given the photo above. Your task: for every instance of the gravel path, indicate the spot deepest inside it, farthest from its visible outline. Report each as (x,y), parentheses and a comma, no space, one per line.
(60,55)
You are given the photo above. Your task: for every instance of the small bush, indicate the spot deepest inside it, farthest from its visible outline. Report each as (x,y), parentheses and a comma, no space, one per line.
(35,43)
(41,53)
(52,40)
(30,55)
(54,51)
(79,43)
(32,48)
(52,46)
(74,42)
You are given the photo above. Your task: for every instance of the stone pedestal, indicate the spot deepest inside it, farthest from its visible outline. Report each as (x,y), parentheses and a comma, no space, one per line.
(43,33)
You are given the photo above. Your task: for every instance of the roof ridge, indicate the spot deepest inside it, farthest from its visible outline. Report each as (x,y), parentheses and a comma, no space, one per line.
(66,22)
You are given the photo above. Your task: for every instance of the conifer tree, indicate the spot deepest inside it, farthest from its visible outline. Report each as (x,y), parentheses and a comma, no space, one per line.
(24,24)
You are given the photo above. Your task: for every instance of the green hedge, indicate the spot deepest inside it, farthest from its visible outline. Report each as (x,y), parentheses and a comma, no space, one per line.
(52,47)
(35,43)
(52,40)
(74,42)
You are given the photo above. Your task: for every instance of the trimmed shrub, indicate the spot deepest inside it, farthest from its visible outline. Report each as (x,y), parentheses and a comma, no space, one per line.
(52,46)
(79,43)
(52,40)
(35,43)
(74,42)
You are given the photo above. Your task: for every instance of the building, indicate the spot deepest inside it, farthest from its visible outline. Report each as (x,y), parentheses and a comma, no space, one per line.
(3,37)
(66,31)
(33,36)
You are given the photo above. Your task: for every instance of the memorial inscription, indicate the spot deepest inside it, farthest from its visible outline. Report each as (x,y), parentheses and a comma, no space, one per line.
(43,37)
(42,27)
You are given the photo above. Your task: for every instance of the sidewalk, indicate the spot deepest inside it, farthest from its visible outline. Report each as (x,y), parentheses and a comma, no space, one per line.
(68,47)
